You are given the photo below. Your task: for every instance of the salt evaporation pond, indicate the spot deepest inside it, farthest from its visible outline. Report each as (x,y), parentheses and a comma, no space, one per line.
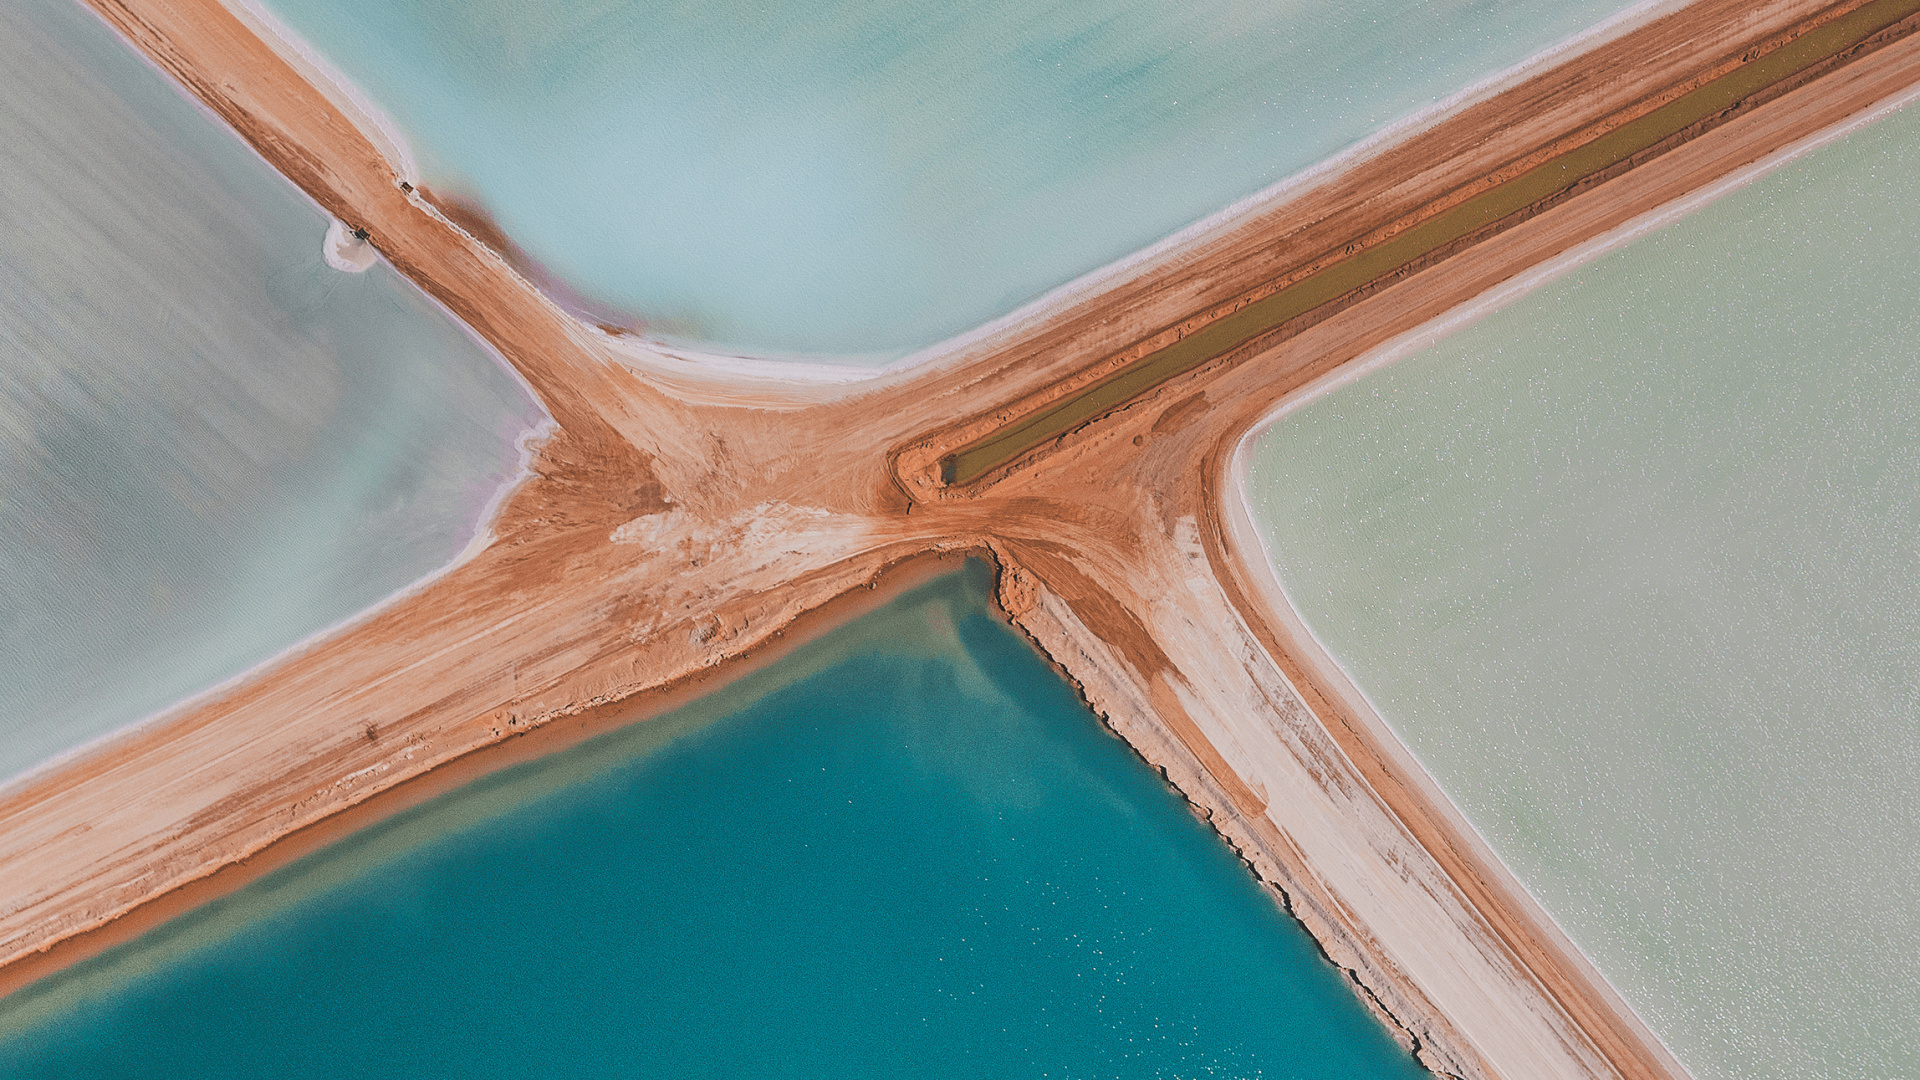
(907,849)
(1633,565)
(211,444)
(859,179)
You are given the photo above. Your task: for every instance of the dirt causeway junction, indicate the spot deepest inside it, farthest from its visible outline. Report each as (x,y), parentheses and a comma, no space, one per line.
(681,523)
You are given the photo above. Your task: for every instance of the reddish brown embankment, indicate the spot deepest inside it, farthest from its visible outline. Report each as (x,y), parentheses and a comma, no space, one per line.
(675,525)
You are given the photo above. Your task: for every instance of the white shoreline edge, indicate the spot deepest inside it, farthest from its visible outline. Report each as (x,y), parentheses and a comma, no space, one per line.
(354,103)
(1245,537)
(690,363)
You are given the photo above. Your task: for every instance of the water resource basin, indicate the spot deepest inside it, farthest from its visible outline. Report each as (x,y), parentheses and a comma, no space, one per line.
(1633,566)
(905,849)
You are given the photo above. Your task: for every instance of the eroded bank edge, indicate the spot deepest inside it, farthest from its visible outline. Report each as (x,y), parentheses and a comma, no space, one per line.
(1108,686)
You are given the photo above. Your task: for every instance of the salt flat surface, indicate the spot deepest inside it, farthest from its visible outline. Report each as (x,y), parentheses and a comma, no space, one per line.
(211,444)
(859,179)
(1633,565)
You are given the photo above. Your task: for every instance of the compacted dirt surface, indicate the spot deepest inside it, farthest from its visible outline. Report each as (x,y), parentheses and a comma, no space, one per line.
(682,524)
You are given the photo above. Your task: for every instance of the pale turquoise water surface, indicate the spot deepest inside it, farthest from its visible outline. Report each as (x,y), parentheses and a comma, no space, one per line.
(907,850)
(1634,567)
(869,176)
(211,445)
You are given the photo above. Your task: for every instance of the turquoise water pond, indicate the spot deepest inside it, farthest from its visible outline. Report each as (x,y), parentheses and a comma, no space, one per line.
(859,179)
(1633,565)
(211,444)
(907,849)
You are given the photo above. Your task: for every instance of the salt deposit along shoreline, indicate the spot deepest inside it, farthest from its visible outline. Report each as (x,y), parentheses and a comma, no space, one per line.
(673,527)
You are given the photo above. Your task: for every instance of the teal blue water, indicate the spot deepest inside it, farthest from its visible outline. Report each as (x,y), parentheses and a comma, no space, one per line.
(1633,565)
(211,444)
(905,850)
(859,178)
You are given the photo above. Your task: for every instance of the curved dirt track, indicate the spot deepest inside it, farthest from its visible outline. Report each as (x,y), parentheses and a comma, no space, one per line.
(677,523)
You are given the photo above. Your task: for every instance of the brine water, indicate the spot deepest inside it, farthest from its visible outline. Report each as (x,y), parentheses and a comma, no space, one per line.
(905,849)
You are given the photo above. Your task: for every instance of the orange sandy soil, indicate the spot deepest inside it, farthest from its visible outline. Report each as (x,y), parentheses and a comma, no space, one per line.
(679,523)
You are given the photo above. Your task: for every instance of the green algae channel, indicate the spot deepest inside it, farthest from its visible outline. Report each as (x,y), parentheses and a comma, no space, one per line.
(1342,279)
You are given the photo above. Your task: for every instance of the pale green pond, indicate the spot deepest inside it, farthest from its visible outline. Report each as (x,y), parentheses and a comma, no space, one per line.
(1633,565)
